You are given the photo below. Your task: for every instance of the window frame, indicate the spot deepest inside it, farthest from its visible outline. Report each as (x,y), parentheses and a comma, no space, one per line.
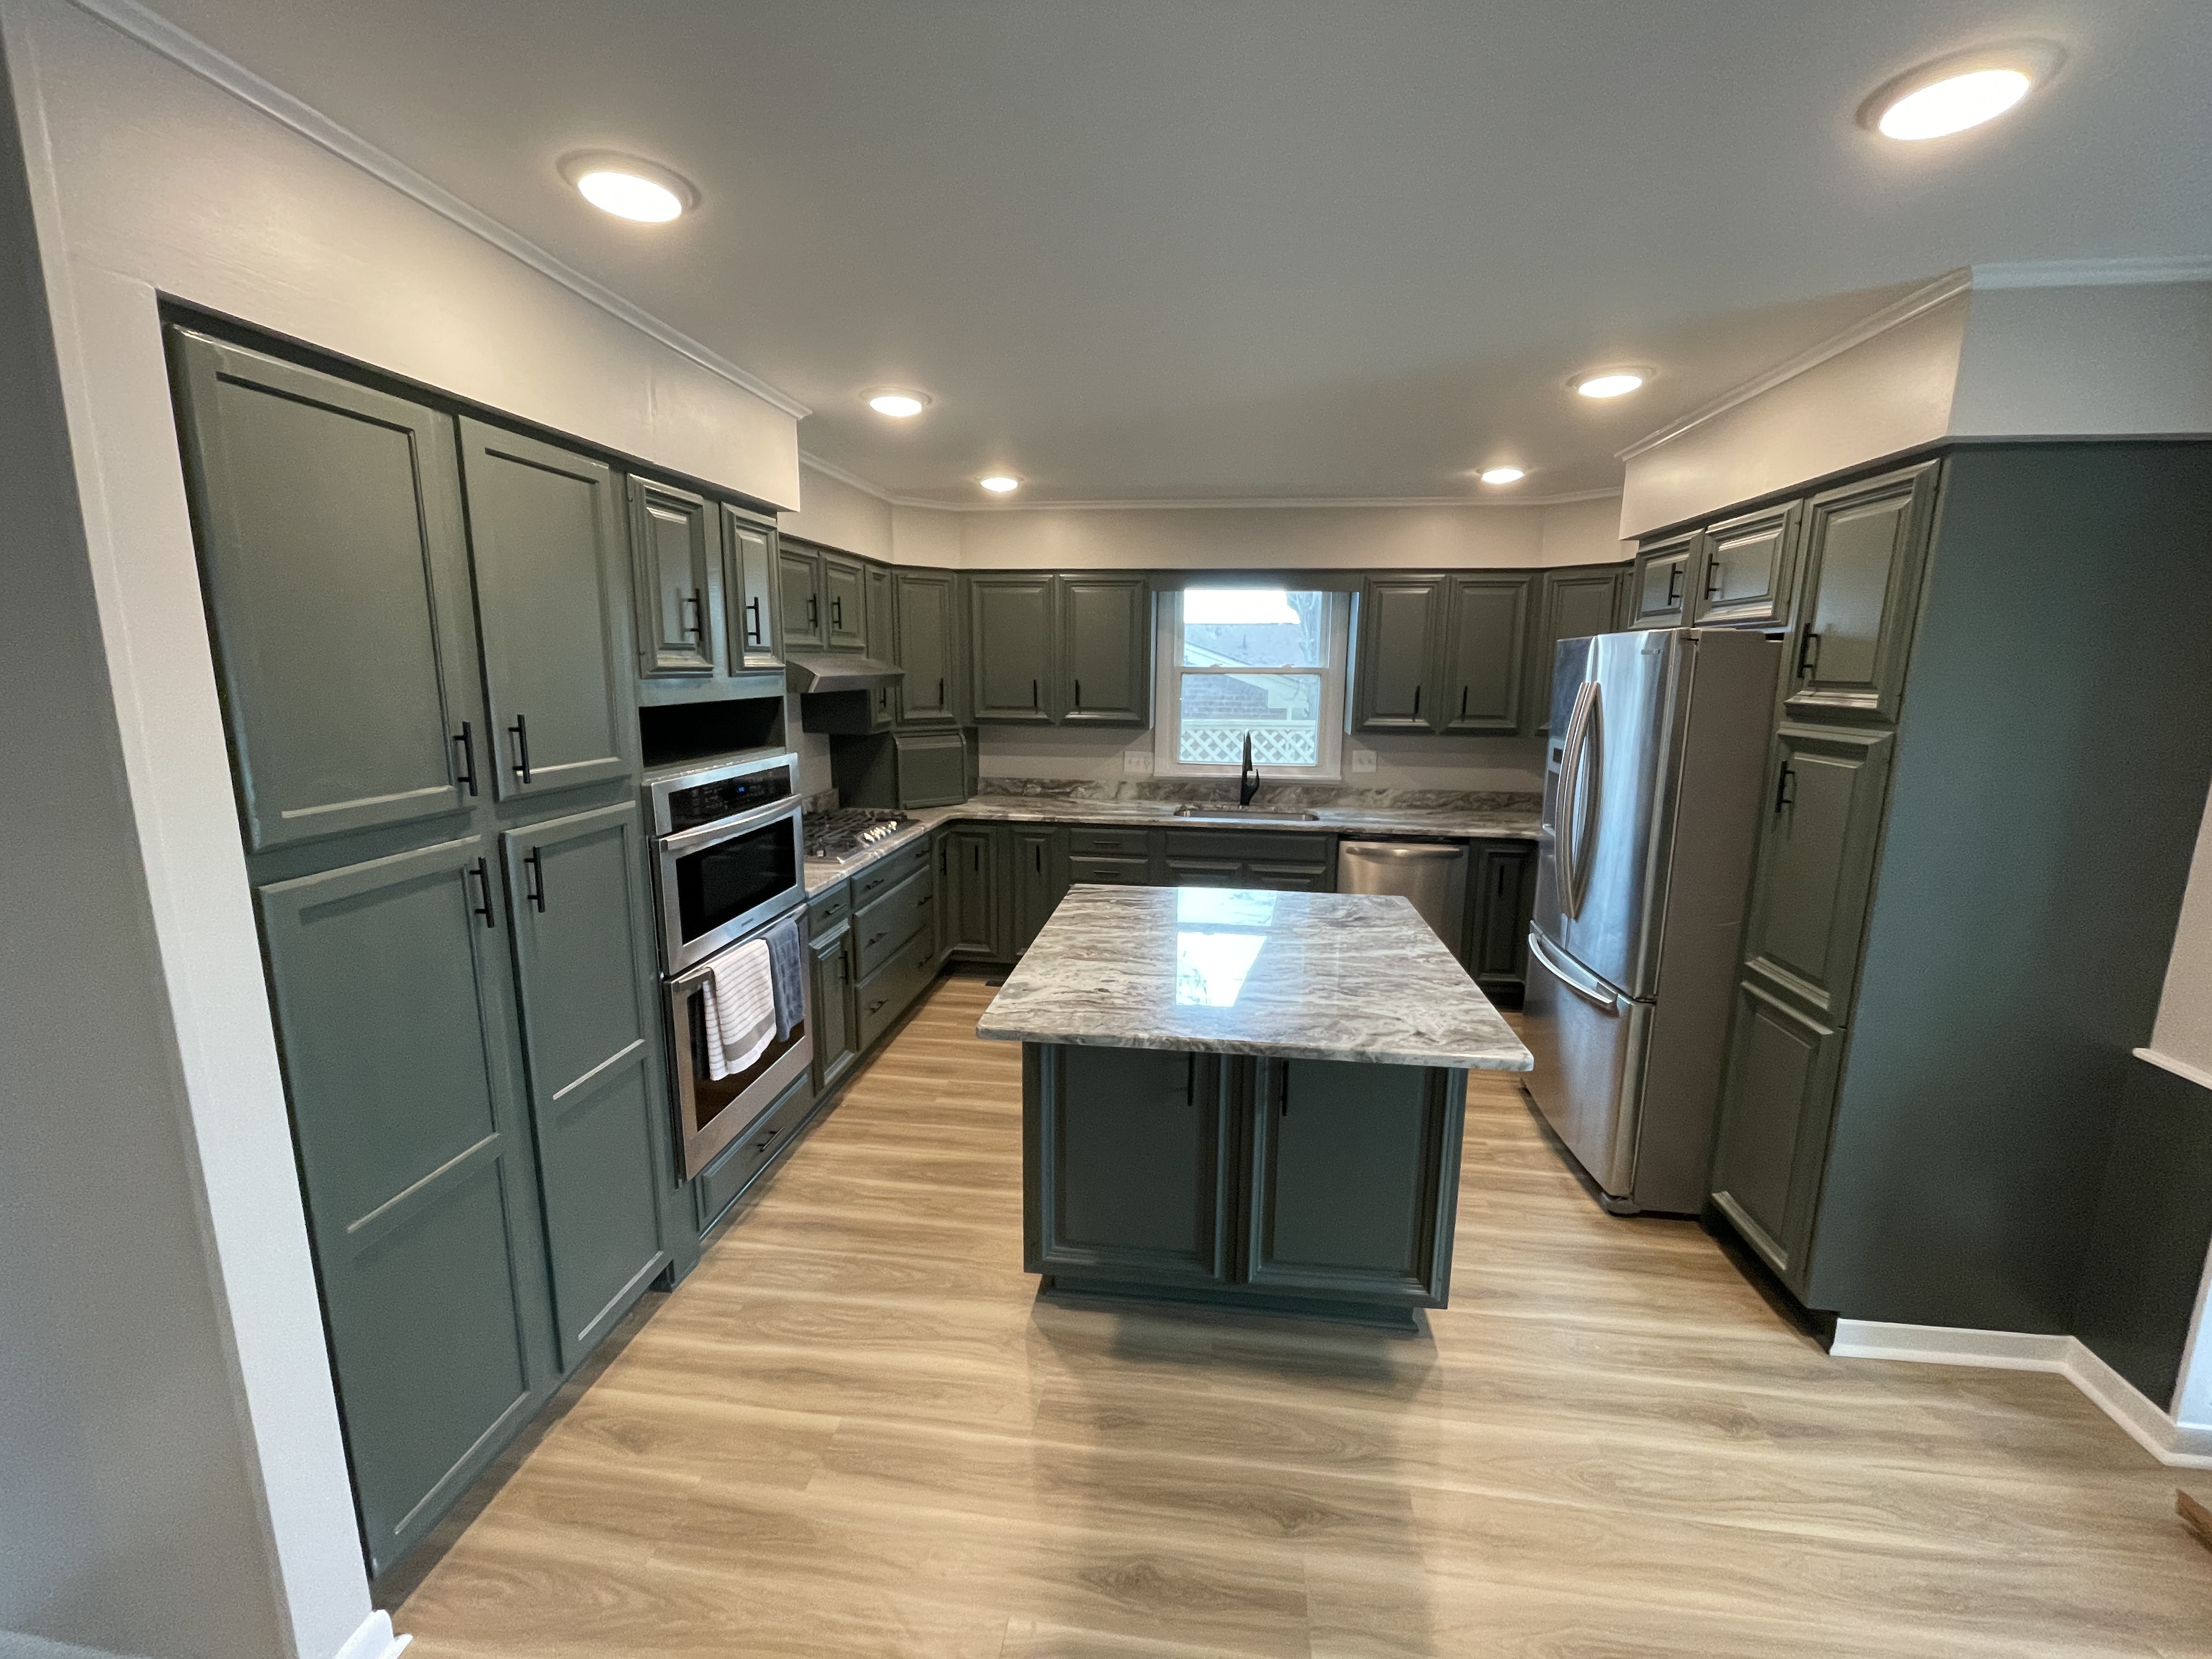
(1167,729)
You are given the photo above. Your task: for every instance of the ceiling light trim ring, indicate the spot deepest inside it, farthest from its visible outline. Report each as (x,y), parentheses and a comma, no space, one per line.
(1642,374)
(578,166)
(921,400)
(2037,60)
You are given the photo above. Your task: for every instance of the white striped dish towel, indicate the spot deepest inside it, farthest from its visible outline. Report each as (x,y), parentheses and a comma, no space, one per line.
(740,1009)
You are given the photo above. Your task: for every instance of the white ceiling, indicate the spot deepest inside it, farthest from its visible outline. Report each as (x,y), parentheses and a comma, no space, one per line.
(1160,249)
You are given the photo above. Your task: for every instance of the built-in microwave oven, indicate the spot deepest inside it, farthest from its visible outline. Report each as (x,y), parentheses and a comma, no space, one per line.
(729,851)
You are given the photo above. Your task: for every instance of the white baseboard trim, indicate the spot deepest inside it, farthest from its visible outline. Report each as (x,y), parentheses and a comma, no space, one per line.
(373,1640)
(2178,1446)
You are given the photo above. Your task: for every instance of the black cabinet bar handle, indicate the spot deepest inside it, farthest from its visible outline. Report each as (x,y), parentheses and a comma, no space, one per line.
(521,730)
(1713,573)
(975,855)
(752,622)
(534,881)
(1036,855)
(1079,694)
(1674,586)
(836,610)
(1808,654)
(697,626)
(1033,694)
(1501,880)
(941,692)
(1417,700)
(1285,1111)
(482,873)
(1462,703)
(468,743)
(813,610)
(1785,788)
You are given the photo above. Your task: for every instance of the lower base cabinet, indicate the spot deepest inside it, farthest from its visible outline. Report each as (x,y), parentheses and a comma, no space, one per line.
(718,1186)
(888,992)
(831,1015)
(1777,1094)
(1501,896)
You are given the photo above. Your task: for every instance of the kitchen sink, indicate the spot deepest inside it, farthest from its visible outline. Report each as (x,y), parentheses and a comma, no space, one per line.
(1225,814)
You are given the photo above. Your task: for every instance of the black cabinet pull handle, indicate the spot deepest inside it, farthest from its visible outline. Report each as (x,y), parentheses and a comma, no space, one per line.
(836,610)
(876,1003)
(813,610)
(468,743)
(482,873)
(1417,700)
(535,880)
(765,1139)
(1079,694)
(1785,788)
(1808,654)
(941,693)
(1036,855)
(1713,572)
(697,626)
(1033,694)
(1674,586)
(873,938)
(975,855)
(1462,703)
(521,730)
(1285,1111)
(1501,881)
(752,622)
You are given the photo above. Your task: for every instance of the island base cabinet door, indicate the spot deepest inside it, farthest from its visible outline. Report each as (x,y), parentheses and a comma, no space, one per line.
(597,1087)
(1777,1094)
(394,1009)
(1354,1194)
(1128,1165)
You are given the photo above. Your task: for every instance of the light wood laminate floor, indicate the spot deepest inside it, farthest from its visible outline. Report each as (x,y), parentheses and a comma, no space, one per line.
(856,1429)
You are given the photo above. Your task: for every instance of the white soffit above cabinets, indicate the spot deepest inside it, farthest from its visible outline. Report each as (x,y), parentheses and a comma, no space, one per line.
(1148,251)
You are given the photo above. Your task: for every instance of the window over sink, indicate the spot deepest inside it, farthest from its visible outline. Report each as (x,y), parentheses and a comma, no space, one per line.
(1263,661)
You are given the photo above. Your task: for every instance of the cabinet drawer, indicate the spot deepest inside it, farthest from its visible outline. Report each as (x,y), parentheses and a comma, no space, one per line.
(882,927)
(1311,851)
(886,874)
(1110,843)
(720,1181)
(1119,872)
(887,992)
(826,910)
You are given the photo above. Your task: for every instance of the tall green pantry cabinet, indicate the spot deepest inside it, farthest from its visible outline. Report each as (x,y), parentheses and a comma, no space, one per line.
(422,628)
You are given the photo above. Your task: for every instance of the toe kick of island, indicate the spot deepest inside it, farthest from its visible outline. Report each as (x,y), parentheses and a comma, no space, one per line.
(1319,1187)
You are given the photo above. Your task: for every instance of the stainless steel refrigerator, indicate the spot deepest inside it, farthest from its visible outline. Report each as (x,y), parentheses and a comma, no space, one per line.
(1651,818)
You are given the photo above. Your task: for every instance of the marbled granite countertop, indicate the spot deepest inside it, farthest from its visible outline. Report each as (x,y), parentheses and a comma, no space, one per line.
(1223,970)
(1444,824)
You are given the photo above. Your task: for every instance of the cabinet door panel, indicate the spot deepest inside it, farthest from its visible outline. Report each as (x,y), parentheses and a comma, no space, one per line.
(389,980)
(805,627)
(1824,806)
(972,859)
(845,601)
(545,539)
(1488,632)
(1128,1171)
(590,1035)
(678,579)
(925,637)
(1501,895)
(1394,673)
(1746,568)
(832,967)
(1574,605)
(1777,1094)
(1038,887)
(1106,650)
(332,543)
(1350,1193)
(1663,583)
(749,588)
(1011,642)
(1864,547)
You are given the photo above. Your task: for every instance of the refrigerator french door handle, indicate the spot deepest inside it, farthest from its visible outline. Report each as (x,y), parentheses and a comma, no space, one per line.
(1589,758)
(1575,979)
(1570,774)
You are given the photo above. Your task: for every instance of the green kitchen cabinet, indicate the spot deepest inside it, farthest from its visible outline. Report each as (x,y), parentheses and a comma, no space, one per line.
(592,1047)
(1778,1096)
(1665,572)
(805,620)
(1011,641)
(1281,862)
(979,905)
(947,908)
(750,591)
(545,541)
(394,1010)
(335,558)
(1040,881)
(1822,827)
(675,548)
(1394,683)
(1573,603)
(1865,544)
(845,602)
(882,613)
(835,1047)
(1098,1115)
(1746,569)
(1501,896)
(1485,654)
(925,641)
(1105,676)
(1352,1194)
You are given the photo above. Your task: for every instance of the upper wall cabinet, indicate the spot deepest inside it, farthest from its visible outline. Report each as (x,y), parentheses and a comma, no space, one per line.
(749,583)
(805,622)
(674,548)
(1486,643)
(1864,546)
(925,643)
(1443,653)
(336,563)
(1394,681)
(1051,650)
(1663,578)
(1746,569)
(883,620)
(1573,603)
(545,538)
(845,601)
(1010,639)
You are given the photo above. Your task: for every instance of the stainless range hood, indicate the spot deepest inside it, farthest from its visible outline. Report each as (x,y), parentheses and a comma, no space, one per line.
(811,674)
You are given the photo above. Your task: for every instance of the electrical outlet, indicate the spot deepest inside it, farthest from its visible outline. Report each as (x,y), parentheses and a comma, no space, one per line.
(1363,760)
(1137,762)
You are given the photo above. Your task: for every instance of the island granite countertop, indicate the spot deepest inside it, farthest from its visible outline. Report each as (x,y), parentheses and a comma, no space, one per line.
(1227,970)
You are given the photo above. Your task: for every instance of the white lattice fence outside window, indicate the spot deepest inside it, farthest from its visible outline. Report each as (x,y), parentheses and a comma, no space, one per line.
(1221,743)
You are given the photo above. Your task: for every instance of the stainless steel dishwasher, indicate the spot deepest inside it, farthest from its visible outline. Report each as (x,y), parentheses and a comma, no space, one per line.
(1433,876)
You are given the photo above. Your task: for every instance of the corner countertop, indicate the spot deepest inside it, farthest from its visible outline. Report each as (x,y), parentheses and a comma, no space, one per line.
(1411,822)
(1225,970)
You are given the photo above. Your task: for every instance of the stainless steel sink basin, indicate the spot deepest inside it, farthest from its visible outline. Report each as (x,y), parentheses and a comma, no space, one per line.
(1248,814)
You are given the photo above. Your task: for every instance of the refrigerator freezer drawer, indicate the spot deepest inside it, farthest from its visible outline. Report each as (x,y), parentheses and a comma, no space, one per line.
(1589,1043)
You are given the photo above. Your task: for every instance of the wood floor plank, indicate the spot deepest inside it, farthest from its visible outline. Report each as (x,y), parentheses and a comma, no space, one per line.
(857,1430)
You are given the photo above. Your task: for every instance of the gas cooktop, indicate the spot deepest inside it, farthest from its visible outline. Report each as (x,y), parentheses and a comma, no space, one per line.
(837,837)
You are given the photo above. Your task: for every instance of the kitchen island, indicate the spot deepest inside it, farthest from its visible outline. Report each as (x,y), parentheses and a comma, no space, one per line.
(1247,1099)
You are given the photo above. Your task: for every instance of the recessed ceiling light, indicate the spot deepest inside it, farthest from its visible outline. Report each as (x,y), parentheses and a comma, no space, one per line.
(628,188)
(999,483)
(1503,475)
(1609,382)
(897,403)
(1961,91)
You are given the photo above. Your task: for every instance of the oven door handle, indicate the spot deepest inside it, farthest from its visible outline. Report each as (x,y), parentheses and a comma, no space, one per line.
(690,841)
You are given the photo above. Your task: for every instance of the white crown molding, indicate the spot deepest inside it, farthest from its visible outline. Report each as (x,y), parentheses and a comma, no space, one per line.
(192,53)
(2096,273)
(2180,1068)
(831,470)
(1893,315)
(2177,1445)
